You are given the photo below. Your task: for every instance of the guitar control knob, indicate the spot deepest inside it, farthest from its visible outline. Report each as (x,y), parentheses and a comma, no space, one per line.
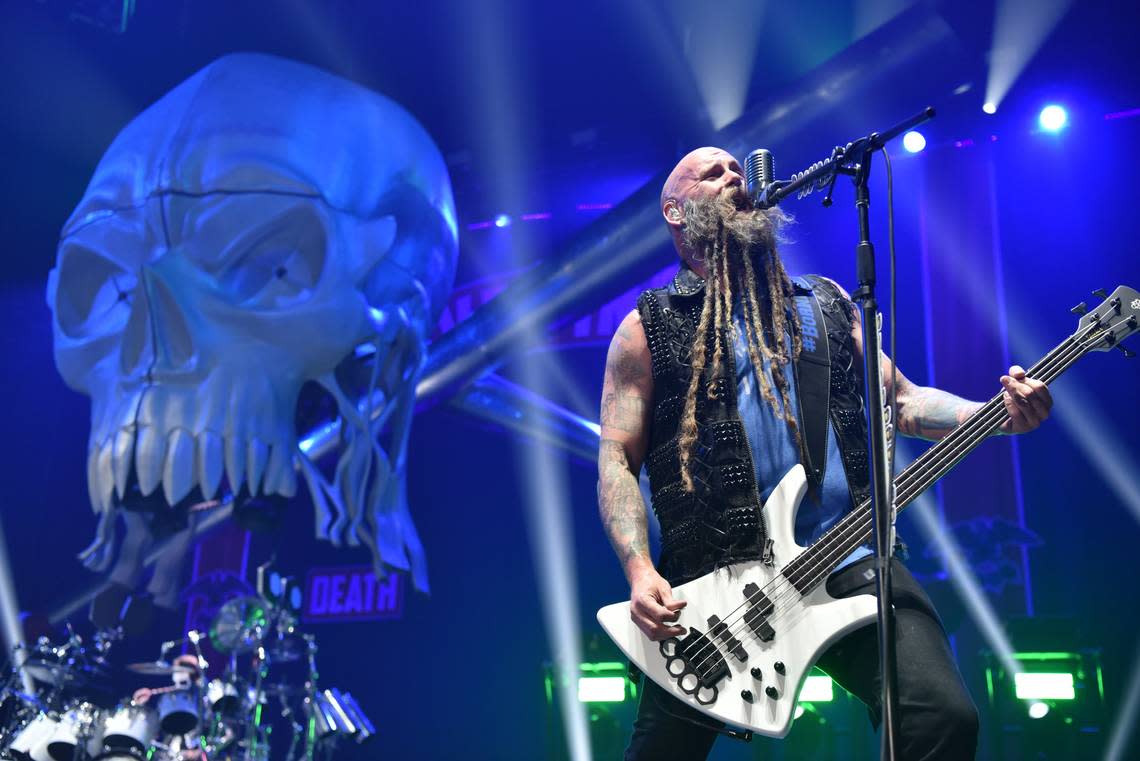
(746,696)
(772,693)
(779,667)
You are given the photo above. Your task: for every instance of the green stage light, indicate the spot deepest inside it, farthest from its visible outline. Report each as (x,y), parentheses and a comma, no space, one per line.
(1044,686)
(601,689)
(818,688)
(601,682)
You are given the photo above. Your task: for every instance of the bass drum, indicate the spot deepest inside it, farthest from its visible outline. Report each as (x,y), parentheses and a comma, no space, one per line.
(130,728)
(82,720)
(31,742)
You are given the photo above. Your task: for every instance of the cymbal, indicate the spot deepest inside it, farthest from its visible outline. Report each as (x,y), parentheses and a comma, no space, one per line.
(61,673)
(240,625)
(151,668)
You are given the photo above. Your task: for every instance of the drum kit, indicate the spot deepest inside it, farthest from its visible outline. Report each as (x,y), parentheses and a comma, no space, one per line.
(72,716)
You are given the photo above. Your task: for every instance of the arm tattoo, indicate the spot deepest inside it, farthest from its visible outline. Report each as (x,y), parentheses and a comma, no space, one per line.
(623,412)
(620,503)
(931,413)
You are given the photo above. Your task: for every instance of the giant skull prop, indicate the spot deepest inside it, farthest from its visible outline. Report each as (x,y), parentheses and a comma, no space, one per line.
(242,236)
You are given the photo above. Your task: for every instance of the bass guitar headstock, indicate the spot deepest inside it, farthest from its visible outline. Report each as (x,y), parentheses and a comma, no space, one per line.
(1103,327)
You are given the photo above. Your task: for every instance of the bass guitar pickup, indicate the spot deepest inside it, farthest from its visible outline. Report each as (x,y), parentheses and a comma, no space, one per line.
(760,607)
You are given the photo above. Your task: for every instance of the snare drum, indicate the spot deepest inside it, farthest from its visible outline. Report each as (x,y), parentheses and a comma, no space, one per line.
(178,711)
(31,742)
(80,721)
(130,727)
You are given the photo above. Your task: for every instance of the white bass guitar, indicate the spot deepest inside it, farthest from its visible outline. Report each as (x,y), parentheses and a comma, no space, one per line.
(753,631)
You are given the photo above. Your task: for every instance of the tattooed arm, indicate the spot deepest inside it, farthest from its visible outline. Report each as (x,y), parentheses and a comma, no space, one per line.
(627,395)
(930,413)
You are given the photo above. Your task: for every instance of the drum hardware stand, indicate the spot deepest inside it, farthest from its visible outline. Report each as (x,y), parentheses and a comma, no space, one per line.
(310,697)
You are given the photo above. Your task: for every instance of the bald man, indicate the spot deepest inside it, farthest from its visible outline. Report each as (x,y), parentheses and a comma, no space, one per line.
(705,375)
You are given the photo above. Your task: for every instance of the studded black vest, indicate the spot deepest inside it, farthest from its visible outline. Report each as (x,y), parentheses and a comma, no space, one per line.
(720,522)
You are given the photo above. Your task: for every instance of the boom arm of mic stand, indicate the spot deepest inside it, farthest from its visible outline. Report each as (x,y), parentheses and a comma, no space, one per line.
(839,162)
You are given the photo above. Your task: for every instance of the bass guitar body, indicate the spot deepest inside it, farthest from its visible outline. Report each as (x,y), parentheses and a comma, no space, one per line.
(751,636)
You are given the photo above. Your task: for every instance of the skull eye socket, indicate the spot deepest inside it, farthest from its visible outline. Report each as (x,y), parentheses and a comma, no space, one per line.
(94,293)
(281,267)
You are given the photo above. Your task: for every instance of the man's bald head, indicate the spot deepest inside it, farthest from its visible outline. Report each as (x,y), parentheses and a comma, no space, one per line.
(688,171)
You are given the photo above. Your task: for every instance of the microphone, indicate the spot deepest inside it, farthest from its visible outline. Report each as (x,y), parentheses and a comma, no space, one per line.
(759,174)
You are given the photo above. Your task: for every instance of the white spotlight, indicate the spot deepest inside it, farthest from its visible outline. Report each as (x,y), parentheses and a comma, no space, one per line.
(914,141)
(989,107)
(1037,710)
(1053,118)
(1020,28)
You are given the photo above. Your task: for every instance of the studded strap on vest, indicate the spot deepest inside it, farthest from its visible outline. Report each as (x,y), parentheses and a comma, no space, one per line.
(720,522)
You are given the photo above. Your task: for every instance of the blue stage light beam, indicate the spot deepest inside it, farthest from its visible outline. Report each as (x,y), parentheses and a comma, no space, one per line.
(914,141)
(965,583)
(719,42)
(501,115)
(1053,118)
(1020,29)
(958,570)
(1125,722)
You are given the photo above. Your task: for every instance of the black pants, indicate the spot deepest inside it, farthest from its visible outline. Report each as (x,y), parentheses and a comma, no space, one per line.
(937,719)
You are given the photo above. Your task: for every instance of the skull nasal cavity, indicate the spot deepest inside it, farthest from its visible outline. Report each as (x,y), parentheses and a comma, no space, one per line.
(157,336)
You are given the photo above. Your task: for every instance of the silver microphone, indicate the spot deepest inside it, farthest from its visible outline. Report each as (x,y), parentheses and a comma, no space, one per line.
(759,173)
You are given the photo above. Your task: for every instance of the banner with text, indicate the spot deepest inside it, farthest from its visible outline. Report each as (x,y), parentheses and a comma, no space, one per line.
(352,593)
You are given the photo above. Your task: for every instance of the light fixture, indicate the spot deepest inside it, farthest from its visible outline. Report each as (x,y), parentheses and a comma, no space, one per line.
(914,141)
(1053,118)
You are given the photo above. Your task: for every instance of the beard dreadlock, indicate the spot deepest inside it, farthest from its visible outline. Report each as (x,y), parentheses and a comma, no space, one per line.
(736,244)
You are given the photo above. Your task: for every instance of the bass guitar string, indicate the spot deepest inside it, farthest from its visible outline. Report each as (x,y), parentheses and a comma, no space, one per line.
(980,422)
(857,522)
(1047,369)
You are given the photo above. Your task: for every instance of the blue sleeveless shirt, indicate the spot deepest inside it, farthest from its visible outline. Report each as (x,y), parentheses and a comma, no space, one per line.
(774,450)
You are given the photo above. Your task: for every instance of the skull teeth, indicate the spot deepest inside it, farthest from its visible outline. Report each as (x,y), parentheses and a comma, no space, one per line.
(179,461)
(235,463)
(178,470)
(93,480)
(150,451)
(106,482)
(211,463)
(121,459)
(280,477)
(257,459)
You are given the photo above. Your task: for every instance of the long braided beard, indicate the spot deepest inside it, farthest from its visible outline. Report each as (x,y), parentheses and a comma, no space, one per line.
(735,245)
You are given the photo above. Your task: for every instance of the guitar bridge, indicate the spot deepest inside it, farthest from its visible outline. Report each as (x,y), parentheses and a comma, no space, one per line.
(696,663)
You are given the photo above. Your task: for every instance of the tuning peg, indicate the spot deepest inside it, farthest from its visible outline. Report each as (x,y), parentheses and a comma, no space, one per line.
(1128,353)
(1100,293)
(1080,308)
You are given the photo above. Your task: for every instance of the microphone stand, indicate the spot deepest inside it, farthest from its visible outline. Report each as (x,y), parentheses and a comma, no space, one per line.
(854,160)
